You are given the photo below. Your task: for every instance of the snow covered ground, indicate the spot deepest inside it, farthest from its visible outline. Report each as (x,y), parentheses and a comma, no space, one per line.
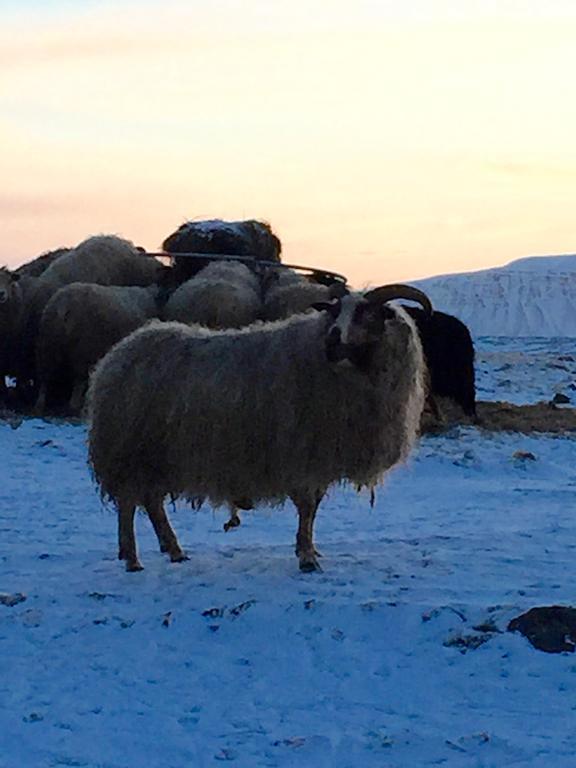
(396,655)
(525,370)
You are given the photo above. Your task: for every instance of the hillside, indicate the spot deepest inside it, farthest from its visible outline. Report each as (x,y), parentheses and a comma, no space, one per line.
(529,297)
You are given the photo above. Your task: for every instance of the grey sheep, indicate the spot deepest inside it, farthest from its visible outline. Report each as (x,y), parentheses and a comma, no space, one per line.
(288,293)
(224,294)
(271,411)
(80,323)
(102,259)
(41,263)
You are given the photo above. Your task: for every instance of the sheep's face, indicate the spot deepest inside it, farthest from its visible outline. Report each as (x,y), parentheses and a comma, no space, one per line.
(358,323)
(356,329)
(7,282)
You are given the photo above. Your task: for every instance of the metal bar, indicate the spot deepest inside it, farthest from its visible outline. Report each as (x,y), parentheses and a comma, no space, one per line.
(254,261)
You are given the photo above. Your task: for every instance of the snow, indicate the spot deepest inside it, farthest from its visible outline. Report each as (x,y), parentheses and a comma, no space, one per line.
(209,227)
(529,297)
(523,371)
(236,657)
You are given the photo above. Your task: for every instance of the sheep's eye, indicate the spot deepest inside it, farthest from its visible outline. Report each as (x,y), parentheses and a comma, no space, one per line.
(370,316)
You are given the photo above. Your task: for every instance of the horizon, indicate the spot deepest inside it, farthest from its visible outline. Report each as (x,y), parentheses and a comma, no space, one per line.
(387,143)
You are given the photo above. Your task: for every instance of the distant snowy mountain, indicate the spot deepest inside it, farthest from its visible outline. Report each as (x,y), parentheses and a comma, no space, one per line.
(533,296)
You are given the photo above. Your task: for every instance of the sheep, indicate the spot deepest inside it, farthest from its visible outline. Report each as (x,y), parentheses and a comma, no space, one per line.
(80,323)
(39,265)
(16,288)
(449,354)
(224,294)
(267,412)
(13,290)
(101,259)
(288,293)
(249,238)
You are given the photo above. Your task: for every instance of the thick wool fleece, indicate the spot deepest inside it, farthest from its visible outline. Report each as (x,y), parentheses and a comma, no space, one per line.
(257,413)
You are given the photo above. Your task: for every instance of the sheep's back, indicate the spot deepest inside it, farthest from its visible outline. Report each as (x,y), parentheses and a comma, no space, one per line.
(292,298)
(104,260)
(213,303)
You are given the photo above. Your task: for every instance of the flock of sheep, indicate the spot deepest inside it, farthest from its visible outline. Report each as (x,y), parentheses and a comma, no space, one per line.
(236,380)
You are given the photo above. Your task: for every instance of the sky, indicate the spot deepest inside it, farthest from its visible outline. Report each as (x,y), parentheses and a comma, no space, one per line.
(384,140)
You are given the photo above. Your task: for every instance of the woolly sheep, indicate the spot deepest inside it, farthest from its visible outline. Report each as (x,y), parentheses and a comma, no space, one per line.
(80,323)
(41,263)
(102,259)
(287,293)
(225,294)
(271,411)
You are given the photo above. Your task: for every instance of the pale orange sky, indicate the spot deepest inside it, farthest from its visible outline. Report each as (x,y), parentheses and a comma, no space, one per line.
(384,140)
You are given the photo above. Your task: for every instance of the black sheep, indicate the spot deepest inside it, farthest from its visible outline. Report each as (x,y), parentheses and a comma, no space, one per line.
(449,353)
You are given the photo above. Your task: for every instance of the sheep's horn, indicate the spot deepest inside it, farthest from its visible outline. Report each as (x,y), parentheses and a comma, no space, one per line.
(389,292)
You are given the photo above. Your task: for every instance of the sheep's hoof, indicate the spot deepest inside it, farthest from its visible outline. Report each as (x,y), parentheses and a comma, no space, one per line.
(134,565)
(300,553)
(178,557)
(310,565)
(234,522)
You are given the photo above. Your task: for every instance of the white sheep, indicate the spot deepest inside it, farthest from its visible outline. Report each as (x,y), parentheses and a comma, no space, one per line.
(271,411)
(225,294)
(80,323)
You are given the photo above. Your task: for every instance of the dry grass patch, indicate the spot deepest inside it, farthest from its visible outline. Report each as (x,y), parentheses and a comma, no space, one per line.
(506,417)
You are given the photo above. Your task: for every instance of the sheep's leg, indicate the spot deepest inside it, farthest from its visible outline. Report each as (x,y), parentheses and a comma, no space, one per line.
(77,398)
(126,537)
(40,405)
(434,408)
(234,520)
(307,506)
(164,531)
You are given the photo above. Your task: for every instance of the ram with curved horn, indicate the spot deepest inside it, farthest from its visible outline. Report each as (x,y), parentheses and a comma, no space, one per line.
(275,411)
